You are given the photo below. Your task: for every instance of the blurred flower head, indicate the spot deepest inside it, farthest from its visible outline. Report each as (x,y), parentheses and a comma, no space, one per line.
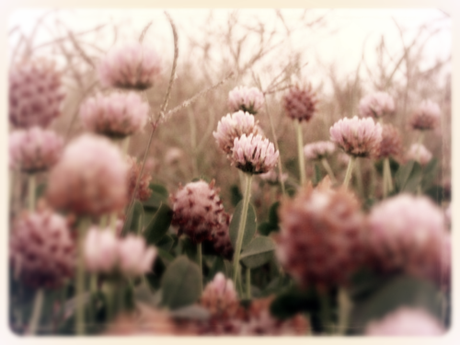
(42,249)
(319,150)
(391,144)
(135,258)
(34,149)
(357,137)
(130,66)
(101,250)
(219,296)
(376,105)
(319,242)
(419,153)
(143,190)
(234,126)
(426,116)
(90,178)
(220,238)
(247,99)
(272,177)
(173,155)
(197,210)
(116,115)
(254,154)
(300,103)
(406,322)
(35,93)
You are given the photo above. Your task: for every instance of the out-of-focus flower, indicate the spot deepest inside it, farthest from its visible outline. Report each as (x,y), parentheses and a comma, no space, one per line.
(197,210)
(247,99)
(90,178)
(448,214)
(272,177)
(116,115)
(130,66)
(343,158)
(143,191)
(34,150)
(221,238)
(320,239)
(300,103)
(376,105)
(253,154)
(135,258)
(101,250)
(42,250)
(318,150)
(406,322)
(234,126)
(426,117)
(35,93)
(406,234)
(173,155)
(419,153)
(391,144)
(357,137)
(219,296)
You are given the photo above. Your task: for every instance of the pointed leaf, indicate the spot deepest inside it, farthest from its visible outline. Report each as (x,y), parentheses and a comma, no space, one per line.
(165,243)
(258,252)
(250,228)
(159,224)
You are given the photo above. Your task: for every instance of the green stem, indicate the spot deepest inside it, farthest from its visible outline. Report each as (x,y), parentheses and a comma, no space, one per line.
(326,166)
(387,183)
(359,177)
(420,143)
(200,264)
(37,310)
(344,310)
(113,222)
(300,151)
(32,188)
(325,311)
(347,178)
(80,278)
(248,283)
(242,225)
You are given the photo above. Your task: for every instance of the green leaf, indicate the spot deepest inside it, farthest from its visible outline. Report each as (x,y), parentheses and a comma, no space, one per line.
(258,252)
(251,225)
(273,213)
(236,195)
(159,195)
(294,301)
(165,243)
(137,219)
(265,228)
(414,179)
(437,194)
(218,266)
(403,173)
(429,173)
(181,283)
(159,224)
(166,257)
(189,248)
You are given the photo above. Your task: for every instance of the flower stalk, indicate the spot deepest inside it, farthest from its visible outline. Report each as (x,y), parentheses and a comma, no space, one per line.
(36,312)
(347,178)
(300,151)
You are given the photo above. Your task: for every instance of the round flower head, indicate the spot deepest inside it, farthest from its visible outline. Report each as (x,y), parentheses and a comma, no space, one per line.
(173,155)
(391,144)
(357,137)
(42,249)
(320,239)
(376,105)
(90,178)
(318,150)
(272,177)
(254,154)
(219,296)
(35,93)
(143,190)
(135,258)
(234,126)
(406,234)
(197,210)
(34,150)
(300,103)
(426,117)
(117,115)
(406,322)
(419,153)
(101,250)
(247,99)
(130,66)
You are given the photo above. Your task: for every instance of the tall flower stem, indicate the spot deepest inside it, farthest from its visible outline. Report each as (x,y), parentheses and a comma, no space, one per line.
(344,310)
(301,158)
(347,178)
(36,312)
(359,177)
(32,187)
(248,283)
(125,146)
(387,181)
(200,264)
(242,225)
(326,166)
(80,278)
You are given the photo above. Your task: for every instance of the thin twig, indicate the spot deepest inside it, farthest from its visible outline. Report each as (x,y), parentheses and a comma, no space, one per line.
(141,38)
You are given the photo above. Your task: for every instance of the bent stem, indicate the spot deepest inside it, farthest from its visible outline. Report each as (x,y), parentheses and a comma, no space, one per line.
(301,158)
(349,170)
(242,225)
(37,309)
(326,166)
(200,264)
(31,186)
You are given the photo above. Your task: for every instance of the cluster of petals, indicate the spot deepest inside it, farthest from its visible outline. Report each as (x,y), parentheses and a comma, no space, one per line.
(106,253)
(391,144)
(42,249)
(34,149)
(376,105)
(357,137)
(233,126)
(300,103)
(198,210)
(426,116)
(254,154)
(116,115)
(220,237)
(35,93)
(90,178)
(406,321)
(247,99)
(318,150)
(272,177)
(419,153)
(407,234)
(219,295)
